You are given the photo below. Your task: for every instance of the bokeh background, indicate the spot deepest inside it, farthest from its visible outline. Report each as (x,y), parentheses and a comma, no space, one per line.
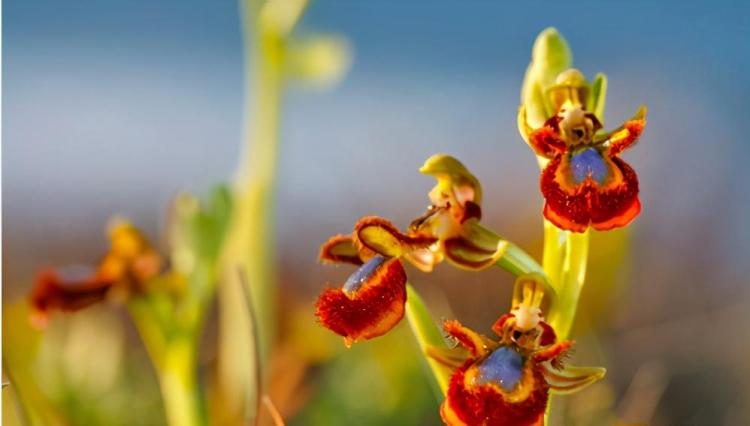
(112,107)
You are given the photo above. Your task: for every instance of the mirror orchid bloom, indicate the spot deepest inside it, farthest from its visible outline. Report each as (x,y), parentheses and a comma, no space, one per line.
(371,302)
(585,182)
(507,381)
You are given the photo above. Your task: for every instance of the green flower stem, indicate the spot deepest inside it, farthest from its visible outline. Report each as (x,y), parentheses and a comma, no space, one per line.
(249,248)
(177,378)
(427,334)
(175,362)
(22,412)
(151,334)
(515,260)
(518,262)
(565,260)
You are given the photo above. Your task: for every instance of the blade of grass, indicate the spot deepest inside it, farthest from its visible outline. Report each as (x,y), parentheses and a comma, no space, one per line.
(427,333)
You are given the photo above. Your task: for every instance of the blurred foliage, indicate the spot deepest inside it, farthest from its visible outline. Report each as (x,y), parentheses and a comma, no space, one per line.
(77,372)
(379,382)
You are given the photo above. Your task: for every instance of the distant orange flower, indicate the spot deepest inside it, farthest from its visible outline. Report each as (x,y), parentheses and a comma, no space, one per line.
(128,264)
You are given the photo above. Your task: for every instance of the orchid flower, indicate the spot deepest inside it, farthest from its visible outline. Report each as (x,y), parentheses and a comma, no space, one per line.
(372,301)
(507,381)
(585,182)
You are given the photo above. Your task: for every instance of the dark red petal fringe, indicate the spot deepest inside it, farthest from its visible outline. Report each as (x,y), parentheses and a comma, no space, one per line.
(370,311)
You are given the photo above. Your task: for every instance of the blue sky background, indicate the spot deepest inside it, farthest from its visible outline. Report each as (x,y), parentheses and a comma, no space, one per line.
(112,107)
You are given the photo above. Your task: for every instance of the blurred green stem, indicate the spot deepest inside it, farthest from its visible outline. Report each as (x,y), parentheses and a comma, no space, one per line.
(251,246)
(15,395)
(249,250)
(151,334)
(427,334)
(177,378)
(175,361)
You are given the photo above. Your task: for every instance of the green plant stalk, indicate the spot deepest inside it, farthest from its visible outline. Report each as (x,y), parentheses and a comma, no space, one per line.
(427,334)
(515,260)
(177,378)
(174,359)
(565,260)
(249,249)
(22,412)
(151,334)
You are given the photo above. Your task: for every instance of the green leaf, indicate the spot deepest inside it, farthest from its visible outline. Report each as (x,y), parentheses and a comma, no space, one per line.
(427,334)
(598,96)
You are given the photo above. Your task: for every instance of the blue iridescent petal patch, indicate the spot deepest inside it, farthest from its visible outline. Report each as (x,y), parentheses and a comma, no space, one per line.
(589,163)
(503,367)
(363,274)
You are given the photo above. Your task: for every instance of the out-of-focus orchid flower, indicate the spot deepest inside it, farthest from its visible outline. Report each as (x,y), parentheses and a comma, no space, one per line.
(125,269)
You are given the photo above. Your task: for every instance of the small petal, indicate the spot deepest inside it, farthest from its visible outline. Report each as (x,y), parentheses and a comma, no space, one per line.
(598,96)
(472,210)
(454,176)
(382,237)
(546,142)
(570,87)
(572,379)
(450,357)
(468,338)
(499,325)
(627,135)
(554,353)
(340,249)
(468,254)
(370,303)
(424,259)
